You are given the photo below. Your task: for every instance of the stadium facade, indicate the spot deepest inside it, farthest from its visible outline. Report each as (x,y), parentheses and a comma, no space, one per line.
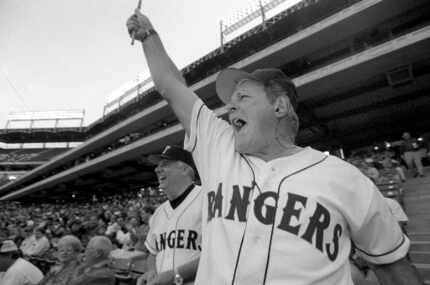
(362,68)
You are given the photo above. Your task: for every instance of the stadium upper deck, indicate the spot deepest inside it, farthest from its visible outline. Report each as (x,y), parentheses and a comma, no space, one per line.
(362,69)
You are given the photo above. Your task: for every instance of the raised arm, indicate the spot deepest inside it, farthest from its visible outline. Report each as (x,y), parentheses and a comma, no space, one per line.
(167,78)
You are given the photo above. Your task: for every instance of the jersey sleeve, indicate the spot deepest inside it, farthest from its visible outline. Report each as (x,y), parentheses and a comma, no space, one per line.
(210,138)
(396,210)
(377,235)
(150,242)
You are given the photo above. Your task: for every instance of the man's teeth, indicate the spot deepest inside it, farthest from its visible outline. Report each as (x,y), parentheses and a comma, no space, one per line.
(239,123)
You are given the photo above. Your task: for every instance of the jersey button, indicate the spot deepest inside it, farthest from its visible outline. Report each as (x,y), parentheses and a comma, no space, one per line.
(272,168)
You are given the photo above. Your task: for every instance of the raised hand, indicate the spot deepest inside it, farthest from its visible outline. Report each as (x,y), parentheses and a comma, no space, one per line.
(138,25)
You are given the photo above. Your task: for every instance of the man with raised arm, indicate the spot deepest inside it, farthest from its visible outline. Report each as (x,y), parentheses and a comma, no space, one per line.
(274,213)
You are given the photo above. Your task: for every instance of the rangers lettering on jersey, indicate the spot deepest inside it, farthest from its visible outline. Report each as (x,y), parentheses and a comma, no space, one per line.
(285,221)
(317,225)
(178,238)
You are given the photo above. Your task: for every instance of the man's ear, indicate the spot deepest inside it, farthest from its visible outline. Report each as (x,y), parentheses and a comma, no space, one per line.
(282,106)
(99,253)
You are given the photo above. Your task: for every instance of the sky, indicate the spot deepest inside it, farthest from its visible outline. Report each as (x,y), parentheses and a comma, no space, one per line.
(62,55)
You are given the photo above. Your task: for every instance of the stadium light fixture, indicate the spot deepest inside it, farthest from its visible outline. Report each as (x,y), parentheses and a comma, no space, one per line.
(376,147)
(420,139)
(12,177)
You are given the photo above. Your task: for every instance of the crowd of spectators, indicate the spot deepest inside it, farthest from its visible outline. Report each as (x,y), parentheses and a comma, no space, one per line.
(390,164)
(15,156)
(37,229)
(380,167)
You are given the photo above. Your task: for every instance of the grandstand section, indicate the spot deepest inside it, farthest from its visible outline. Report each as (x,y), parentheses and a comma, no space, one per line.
(31,138)
(362,69)
(42,126)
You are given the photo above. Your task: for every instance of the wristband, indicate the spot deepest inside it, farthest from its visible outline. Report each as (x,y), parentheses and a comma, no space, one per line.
(178,280)
(147,34)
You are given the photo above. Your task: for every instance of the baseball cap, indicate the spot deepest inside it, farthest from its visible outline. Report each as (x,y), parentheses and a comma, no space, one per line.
(8,246)
(228,79)
(173,153)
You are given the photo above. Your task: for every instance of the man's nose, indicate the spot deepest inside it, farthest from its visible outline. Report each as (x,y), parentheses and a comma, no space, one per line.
(231,107)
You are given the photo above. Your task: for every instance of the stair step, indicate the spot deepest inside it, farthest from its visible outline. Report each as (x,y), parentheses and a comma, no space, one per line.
(418,225)
(419,236)
(420,246)
(415,182)
(416,196)
(422,257)
(424,270)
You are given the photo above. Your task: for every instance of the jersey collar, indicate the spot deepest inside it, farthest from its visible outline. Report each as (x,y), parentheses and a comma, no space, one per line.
(178,200)
(294,163)
(188,198)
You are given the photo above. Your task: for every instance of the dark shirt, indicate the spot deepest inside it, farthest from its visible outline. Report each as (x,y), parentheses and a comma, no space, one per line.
(60,275)
(410,145)
(98,274)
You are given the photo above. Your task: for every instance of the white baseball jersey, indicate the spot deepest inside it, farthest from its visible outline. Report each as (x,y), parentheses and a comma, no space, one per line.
(396,210)
(174,235)
(285,221)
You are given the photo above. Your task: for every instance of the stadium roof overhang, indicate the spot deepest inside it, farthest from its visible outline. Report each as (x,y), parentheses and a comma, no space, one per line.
(336,108)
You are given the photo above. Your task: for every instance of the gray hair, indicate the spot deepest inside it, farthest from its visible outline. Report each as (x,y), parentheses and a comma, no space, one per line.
(102,244)
(275,89)
(71,240)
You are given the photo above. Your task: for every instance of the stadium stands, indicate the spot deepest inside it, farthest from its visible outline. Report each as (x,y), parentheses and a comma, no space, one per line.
(103,215)
(28,155)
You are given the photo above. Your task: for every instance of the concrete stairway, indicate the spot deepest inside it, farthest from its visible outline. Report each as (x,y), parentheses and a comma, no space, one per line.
(417,207)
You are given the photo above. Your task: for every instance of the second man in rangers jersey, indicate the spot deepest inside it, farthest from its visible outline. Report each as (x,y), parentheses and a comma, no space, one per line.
(174,237)
(275,213)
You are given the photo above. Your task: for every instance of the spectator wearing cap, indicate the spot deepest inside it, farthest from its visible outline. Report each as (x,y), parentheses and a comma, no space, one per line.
(68,249)
(176,174)
(36,244)
(95,269)
(17,271)
(411,153)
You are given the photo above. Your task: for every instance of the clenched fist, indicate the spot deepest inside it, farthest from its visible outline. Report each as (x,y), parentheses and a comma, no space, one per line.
(138,25)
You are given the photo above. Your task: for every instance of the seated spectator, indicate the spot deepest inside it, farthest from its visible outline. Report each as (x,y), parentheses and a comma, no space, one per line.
(36,244)
(123,235)
(388,162)
(68,249)
(146,214)
(370,170)
(113,226)
(17,271)
(95,269)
